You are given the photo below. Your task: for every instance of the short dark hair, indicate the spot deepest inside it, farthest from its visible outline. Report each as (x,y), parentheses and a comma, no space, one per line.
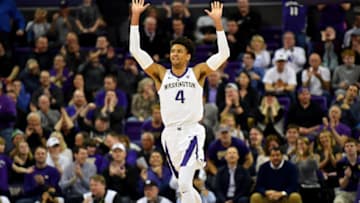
(77,149)
(276,149)
(186,42)
(251,54)
(98,178)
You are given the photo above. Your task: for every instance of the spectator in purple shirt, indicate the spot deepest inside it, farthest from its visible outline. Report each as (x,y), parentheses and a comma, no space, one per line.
(154,125)
(219,146)
(5,167)
(341,131)
(40,179)
(7,117)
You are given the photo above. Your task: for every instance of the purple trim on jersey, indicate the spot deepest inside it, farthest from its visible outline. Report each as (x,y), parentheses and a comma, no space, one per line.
(189,151)
(170,162)
(181,74)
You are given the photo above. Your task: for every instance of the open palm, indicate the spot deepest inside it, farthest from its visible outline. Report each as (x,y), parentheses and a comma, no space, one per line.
(216,10)
(138,6)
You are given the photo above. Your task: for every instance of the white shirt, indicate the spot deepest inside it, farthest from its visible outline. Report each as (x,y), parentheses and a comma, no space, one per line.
(63,161)
(163,200)
(231,188)
(262,59)
(296,57)
(288,76)
(315,83)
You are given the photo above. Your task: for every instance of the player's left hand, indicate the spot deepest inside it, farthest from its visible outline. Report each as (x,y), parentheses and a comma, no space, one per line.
(216,10)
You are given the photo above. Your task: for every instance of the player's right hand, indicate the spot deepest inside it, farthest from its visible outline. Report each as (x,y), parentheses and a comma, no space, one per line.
(138,6)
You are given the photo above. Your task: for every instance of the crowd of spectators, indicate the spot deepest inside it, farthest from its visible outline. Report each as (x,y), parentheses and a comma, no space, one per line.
(282,124)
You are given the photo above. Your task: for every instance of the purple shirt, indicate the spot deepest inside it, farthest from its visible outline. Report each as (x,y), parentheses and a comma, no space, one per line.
(122,99)
(341,128)
(5,166)
(51,177)
(216,151)
(163,182)
(294,16)
(7,112)
(147,127)
(97,160)
(333,15)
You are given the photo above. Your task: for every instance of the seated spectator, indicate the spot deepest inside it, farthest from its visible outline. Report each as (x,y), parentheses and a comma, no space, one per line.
(93,156)
(178,29)
(348,104)
(329,48)
(5,168)
(111,84)
(154,125)
(38,27)
(112,110)
(258,47)
(10,68)
(54,157)
(35,134)
(348,173)
(80,139)
(256,73)
(62,23)
(271,141)
(129,75)
(330,153)
(7,117)
(59,74)
(74,181)
(120,176)
(41,53)
(93,72)
(256,144)
(233,182)
(77,104)
(96,129)
(23,162)
(277,180)
(88,21)
(22,96)
(234,105)
(66,132)
(17,136)
(107,53)
(307,164)
(54,94)
(152,39)
(74,56)
(151,193)
(233,41)
(316,77)
(280,79)
(346,74)
(30,75)
(42,177)
(147,147)
(64,150)
(144,99)
(235,130)
(99,192)
(249,22)
(213,88)
(270,115)
(340,131)
(218,147)
(77,84)
(294,56)
(49,117)
(159,173)
(308,114)
(291,136)
(349,33)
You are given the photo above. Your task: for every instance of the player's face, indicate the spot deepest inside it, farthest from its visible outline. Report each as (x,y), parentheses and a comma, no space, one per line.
(179,55)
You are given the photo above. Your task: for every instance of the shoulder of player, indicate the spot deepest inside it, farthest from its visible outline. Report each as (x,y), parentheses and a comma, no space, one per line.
(201,69)
(156,70)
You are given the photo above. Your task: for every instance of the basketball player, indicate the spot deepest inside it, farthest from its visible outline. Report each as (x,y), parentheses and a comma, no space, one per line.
(180,91)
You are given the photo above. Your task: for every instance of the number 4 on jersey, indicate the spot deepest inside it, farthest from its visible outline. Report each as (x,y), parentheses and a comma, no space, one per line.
(180,96)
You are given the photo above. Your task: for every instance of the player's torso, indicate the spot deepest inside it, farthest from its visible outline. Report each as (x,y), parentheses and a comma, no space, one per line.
(180,98)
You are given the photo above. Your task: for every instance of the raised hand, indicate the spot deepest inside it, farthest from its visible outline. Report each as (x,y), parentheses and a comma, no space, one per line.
(216,10)
(138,6)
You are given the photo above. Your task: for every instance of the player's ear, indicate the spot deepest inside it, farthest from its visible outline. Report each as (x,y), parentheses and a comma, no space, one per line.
(188,57)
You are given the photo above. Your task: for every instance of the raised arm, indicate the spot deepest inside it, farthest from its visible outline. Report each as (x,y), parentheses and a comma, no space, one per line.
(216,60)
(145,61)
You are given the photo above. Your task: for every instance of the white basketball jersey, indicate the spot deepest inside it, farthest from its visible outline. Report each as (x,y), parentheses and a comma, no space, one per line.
(180,98)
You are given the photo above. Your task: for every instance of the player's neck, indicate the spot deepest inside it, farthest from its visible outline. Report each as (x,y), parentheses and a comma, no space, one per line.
(179,70)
